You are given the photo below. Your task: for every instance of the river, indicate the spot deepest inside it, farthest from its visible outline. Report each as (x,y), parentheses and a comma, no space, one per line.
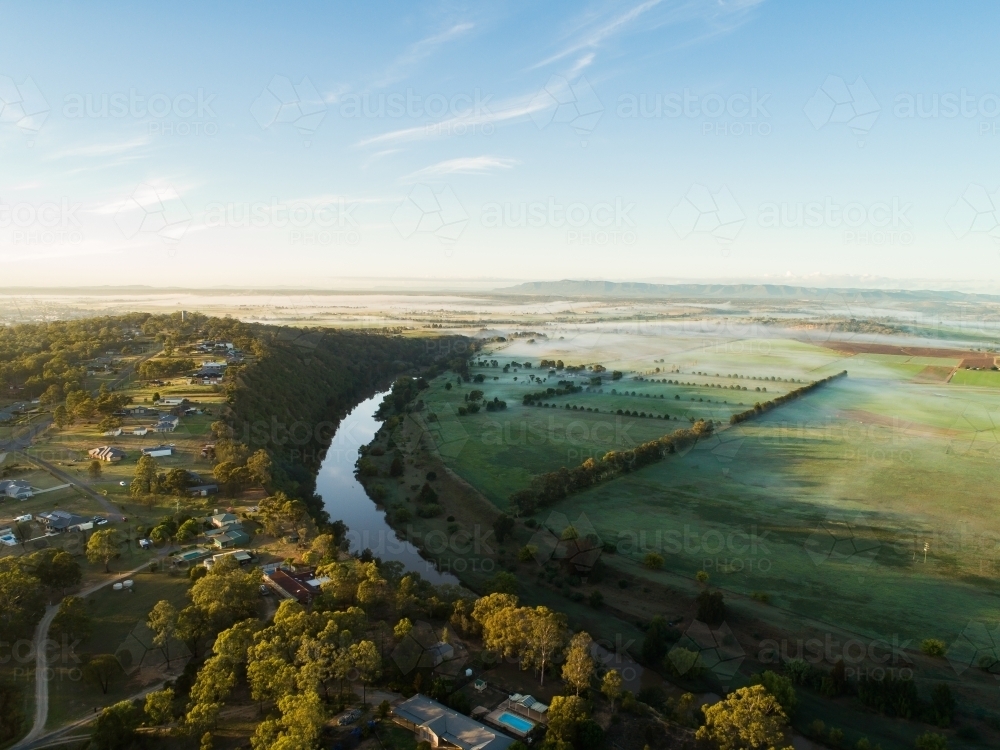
(345,499)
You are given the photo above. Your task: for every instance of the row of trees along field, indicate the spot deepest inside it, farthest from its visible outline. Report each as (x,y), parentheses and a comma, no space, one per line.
(553,486)
(766,406)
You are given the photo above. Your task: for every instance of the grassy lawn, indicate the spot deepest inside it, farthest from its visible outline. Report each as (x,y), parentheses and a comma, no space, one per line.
(115,615)
(981,378)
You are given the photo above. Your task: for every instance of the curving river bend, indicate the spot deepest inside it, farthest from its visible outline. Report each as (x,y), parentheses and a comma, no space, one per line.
(344,498)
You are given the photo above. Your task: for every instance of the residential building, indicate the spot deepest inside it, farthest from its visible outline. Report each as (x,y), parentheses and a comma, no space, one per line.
(203,490)
(59,520)
(166,424)
(172,401)
(107,453)
(234,537)
(302,586)
(222,520)
(443,727)
(17,489)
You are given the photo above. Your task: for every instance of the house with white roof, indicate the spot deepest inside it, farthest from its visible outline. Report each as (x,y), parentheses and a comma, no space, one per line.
(443,727)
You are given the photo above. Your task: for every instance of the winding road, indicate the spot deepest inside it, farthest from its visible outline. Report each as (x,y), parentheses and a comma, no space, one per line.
(18,445)
(42,660)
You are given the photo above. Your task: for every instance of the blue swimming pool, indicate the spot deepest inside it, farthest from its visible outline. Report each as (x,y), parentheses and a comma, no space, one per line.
(516,722)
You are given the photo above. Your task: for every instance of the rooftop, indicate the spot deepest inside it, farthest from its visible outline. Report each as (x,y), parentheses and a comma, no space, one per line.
(450,726)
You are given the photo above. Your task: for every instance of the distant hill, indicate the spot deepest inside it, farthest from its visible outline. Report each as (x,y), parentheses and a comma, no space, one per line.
(721,292)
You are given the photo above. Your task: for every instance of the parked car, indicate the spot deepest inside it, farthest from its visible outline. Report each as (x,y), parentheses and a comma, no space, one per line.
(350,718)
(24,519)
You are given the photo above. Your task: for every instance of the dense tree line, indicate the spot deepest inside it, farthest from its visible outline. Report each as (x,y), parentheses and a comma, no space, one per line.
(760,408)
(565,387)
(553,486)
(290,400)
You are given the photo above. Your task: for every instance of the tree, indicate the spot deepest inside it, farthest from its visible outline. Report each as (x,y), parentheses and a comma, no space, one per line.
(260,465)
(94,470)
(503,526)
(780,687)
(109,424)
(159,707)
(402,628)
(227,595)
(578,670)
(711,608)
(188,530)
(611,686)
(931,741)
(653,561)
(162,621)
(566,713)
(72,619)
(544,635)
(206,741)
(396,467)
(192,626)
(61,416)
(61,572)
(749,718)
(656,642)
(503,583)
(115,727)
(100,669)
(102,546)
(366,659)
(22,599)
(144,481)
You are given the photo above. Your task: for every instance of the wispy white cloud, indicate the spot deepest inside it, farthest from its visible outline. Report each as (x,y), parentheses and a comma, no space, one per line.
(400,67)
(114,148)
(517,108)
(595,30)
(462,165)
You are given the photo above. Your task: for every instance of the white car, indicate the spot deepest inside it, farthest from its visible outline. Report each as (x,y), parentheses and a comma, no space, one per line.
(24,519)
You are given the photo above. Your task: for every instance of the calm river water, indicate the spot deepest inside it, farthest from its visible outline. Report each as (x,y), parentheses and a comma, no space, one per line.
(344,498)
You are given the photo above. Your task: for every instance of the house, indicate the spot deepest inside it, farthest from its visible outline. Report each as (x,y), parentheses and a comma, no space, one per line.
(302,586)
(107,453)
(240,555)
(203,490)
(222,520)
(158,451)
(166,424)
(140,431)
(59,520)
(17,489)
(117,432)
(443,727)
(234,537)
(173,401)
(144,411)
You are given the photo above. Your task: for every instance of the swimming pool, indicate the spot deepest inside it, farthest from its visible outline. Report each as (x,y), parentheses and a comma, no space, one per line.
(516,722)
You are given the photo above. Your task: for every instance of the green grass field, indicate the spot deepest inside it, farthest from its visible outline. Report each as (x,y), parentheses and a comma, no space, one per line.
(980,378)
(874,464)
(115,615)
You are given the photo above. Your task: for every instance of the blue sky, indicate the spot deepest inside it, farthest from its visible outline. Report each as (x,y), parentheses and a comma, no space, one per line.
(316,144)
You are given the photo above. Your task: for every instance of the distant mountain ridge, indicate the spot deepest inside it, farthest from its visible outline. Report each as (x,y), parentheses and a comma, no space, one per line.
(640,290)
